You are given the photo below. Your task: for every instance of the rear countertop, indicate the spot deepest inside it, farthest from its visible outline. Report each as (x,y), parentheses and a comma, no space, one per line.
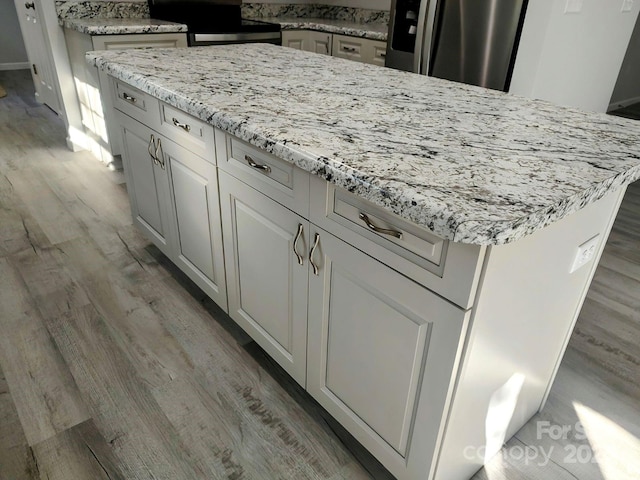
(121,26)
(469,164)
(373,31)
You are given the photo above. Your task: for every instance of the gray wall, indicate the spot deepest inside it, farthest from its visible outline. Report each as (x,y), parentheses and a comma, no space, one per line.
(627,90)
(11,44)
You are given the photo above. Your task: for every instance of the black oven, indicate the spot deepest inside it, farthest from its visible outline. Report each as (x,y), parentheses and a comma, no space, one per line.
(215,22)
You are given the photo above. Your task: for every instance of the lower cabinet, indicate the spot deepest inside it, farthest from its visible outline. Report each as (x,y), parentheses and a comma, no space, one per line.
(353,48)
(267,272)
(174,200)
(308,40)
(381,354)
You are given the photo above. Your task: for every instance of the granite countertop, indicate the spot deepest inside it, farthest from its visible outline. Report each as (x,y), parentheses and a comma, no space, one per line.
(373,31)
(471,165)
(120,26)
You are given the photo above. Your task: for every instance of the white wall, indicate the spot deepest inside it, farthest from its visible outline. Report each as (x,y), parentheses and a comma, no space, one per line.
(12,52)
(371,4)
(573,59)
(627,89)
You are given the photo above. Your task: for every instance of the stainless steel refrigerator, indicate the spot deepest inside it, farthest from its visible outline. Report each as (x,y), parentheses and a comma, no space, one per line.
(469,41)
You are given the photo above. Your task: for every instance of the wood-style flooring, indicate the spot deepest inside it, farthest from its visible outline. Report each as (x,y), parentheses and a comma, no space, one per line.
(113,365)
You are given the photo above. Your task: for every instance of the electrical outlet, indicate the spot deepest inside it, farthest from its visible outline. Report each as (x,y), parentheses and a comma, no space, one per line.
(627,5)
(585,253)
(573,6)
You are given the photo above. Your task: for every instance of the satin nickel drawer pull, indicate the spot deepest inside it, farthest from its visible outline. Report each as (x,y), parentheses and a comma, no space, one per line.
(384,231)
(253,164)
(150,148)
(295,244)
(349,49)
(184,126)
(311,252)
(160,155)
(129,98)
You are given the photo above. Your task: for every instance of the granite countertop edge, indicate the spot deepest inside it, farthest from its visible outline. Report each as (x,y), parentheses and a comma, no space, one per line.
(447,224)
(120,26)
(352,29)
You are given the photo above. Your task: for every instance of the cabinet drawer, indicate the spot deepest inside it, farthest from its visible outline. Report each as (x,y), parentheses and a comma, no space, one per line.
(379,53)
(450,269)
(276,178)
(188,131)
(135,103)
(348,47)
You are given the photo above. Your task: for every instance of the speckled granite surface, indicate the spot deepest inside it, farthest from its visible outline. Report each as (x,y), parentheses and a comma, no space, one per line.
(471,165)
(347,14)
(104,9)
(374,31)
(121,26)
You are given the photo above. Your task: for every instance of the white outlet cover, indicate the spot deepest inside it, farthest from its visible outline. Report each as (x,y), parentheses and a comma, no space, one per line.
(585,253)
(573,6)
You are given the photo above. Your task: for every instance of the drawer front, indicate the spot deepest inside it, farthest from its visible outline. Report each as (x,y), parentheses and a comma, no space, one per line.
(379,53)
(276,178)
(450,269)
(188,131)
(348,47)
(135,103)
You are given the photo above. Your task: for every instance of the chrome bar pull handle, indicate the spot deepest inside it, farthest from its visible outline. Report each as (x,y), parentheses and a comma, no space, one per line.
(159,154)
(295,244)
(311,252)
(129,98)
(257,166)
(184,126)
(150,149)
(375,228)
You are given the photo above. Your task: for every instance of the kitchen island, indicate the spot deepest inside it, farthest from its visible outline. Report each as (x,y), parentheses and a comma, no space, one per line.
(414,252)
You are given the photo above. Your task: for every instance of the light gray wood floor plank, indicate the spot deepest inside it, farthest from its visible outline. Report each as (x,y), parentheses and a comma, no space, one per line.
(80,453)
(16,458)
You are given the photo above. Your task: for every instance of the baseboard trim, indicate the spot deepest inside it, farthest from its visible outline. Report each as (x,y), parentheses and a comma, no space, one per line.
(623,103)
(14,66)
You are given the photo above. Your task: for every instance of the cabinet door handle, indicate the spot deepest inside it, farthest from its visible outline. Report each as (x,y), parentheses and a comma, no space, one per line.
(311,252)
(159,154)
(384,231)
(295,244)
(29,5)
(129,98)
(349,49)
(150,149)
(253,164)
(184,126)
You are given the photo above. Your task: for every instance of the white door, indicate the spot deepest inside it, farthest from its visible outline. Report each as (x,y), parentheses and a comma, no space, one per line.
(297,39)
(320,42)
(147,183)
(381,353)
(195,201)
(265,257)
(38,51)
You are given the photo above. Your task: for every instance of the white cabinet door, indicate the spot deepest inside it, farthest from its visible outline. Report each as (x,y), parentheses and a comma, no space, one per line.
(266,280)
(147,184)
(319,42)
(381,353)
(195,203)
(38,51)
(297,39)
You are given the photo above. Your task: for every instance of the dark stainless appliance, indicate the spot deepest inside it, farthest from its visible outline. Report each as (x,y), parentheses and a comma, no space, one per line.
(215,22)
(469,41)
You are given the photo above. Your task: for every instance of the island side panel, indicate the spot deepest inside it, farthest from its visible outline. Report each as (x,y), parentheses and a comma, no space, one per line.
(527,306)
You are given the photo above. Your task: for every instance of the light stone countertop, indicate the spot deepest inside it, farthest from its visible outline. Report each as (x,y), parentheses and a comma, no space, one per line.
(121,26)
(471,165)
(373,31)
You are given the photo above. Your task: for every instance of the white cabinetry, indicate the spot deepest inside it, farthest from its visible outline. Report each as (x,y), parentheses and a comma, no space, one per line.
(308,40)
(353,48)
(265,252)
(174,200)
(99,128)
